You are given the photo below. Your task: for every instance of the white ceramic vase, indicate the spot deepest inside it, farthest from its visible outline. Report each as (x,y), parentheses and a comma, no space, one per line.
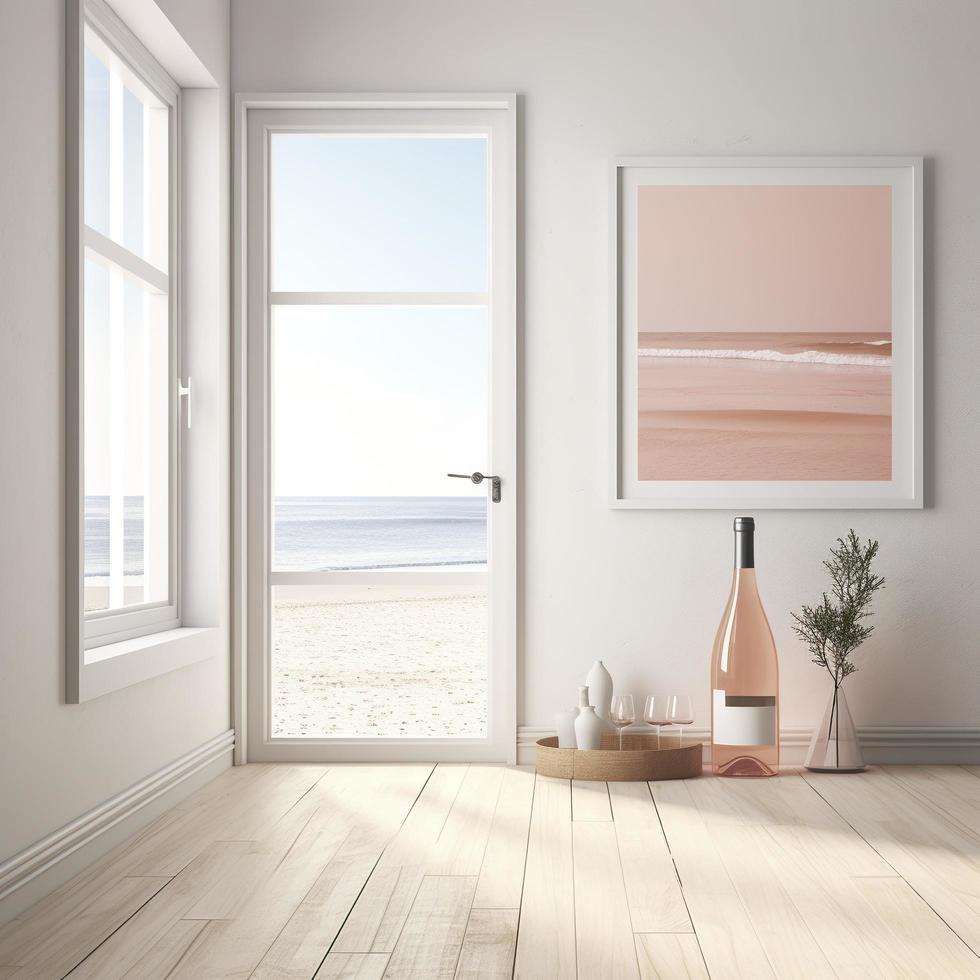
(600,692)
(589,727)
(565,723)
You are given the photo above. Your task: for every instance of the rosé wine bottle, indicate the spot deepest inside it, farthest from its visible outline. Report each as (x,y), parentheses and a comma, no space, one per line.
(744,675)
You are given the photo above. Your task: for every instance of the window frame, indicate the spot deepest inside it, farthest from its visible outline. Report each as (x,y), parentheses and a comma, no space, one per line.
(94,640)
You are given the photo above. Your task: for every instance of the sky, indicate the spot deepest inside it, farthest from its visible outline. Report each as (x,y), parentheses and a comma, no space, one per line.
(766,258)
(373,401)
(378,401)
(374,214)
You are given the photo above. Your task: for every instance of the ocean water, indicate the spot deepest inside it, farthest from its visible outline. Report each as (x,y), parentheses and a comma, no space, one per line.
(97,536)
(330,533)
(346,533)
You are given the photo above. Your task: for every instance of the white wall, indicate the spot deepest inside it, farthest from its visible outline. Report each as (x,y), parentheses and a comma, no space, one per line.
(59,760)
(600,78)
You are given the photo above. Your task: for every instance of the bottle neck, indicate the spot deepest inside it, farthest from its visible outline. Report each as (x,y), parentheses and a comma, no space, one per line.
(744,583)
(744,548)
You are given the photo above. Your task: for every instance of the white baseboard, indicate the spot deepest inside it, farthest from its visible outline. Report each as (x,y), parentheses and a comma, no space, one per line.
(49,862)
(886,744)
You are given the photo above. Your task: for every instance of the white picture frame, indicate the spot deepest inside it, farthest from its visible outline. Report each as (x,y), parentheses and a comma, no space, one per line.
(904,489)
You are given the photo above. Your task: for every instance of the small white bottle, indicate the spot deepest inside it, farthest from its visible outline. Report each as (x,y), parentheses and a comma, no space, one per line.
(589,727)
(601,687)
(565,723)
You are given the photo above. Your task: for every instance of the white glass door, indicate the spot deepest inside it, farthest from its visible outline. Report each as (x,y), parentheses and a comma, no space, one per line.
(380,317)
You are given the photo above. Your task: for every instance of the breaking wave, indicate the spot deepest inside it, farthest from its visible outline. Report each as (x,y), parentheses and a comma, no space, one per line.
(797,357)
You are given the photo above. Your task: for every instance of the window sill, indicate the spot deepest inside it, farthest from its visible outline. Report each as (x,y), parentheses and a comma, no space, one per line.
(117,665)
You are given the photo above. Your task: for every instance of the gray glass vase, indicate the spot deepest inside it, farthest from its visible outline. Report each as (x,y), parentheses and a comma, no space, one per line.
(835,746)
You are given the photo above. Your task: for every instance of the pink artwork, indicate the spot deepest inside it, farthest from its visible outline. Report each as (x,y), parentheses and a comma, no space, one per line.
(764,332)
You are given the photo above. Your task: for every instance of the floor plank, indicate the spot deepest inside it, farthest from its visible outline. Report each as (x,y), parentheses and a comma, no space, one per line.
(223,881)
(502,873)
(917,938)
(264,802)
(165,846)
(825,897)
(746,852)
(235,947)
(382,908)
(462,841)
(728,939)
(546,934)
(788,806)
(590,800)
(653,892)
(670,957)
(384,801)
(952,791)
(429,945)
(603,935)
(66,942)
(817,858)
(353,966)
(160,957)
(935,853)
(816,877)
(327,818)
(488,945)
(155,928)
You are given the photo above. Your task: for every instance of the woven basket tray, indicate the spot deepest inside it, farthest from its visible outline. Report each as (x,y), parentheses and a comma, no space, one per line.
(640,760)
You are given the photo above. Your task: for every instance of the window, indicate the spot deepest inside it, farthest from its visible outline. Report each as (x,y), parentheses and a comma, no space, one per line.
(124,420)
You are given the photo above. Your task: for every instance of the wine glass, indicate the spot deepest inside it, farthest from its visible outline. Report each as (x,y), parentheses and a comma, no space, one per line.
(622,713)
(680,712)
(656,711)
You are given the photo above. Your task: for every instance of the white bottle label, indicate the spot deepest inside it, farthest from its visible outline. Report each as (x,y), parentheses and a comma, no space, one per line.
(741,720)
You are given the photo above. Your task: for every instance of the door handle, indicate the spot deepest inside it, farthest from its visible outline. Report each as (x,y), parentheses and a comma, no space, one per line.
(184,391)
(478,478)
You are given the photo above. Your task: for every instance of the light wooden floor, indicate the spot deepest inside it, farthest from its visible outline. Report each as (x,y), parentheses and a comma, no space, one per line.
(456,871)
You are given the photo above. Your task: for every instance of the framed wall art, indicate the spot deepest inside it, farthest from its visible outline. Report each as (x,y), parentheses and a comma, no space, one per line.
(767,332)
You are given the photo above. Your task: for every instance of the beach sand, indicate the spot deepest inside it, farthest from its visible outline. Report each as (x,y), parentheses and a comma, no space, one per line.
(728,418)
(379,662)
(96,592)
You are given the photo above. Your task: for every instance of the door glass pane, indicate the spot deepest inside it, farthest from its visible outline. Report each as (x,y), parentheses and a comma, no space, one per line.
(126,442)
(371,407)
(378,213)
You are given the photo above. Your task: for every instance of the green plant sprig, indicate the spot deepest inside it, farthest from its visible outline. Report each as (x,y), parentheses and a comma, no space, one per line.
(834,628)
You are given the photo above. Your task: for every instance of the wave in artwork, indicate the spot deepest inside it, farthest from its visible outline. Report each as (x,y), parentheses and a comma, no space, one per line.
(800,357)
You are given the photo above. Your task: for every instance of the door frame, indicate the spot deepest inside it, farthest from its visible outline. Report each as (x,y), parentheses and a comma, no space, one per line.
(250,589)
